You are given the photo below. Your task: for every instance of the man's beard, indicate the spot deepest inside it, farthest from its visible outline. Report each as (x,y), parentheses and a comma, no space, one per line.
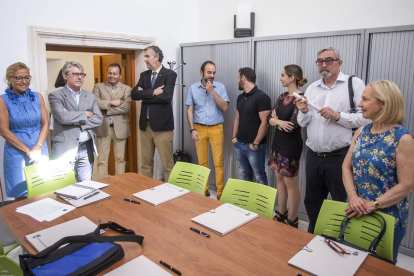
(149,66)
(206,80)
(325,73)
(241,87)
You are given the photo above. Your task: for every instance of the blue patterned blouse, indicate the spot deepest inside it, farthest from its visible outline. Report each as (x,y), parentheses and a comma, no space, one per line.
(375,170)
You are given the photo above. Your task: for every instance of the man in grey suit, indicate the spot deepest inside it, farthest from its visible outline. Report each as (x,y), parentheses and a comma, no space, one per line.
(76,113)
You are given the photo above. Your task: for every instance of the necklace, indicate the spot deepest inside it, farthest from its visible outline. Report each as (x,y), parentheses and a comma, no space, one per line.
(382,130)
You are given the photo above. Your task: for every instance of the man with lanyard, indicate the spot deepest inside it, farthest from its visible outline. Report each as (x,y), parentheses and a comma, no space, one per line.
(329,131)
(206,101)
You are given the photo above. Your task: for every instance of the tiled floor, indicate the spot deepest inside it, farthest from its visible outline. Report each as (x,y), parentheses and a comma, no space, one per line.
(404,261)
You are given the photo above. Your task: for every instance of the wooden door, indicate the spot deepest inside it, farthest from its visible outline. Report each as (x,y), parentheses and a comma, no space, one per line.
(101,63)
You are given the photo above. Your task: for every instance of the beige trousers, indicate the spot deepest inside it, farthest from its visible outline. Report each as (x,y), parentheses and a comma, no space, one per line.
(104,146)
(163,141)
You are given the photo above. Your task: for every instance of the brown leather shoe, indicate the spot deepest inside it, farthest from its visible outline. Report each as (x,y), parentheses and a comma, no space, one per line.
(207,193)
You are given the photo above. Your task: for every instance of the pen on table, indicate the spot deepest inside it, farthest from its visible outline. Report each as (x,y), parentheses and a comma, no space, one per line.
(131,200)
(170,267)
(89,196)
(204,234)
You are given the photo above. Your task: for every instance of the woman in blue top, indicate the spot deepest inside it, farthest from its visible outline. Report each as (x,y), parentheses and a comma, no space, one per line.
(24,126)
(378,171)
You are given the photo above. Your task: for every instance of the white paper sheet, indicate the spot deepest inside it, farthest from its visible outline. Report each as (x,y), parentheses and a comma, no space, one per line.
(46,209)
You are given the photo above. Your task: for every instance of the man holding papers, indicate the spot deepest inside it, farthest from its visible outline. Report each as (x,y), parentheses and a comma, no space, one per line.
(329,130)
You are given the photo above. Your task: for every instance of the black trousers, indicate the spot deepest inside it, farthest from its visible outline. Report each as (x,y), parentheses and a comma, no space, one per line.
(323,176)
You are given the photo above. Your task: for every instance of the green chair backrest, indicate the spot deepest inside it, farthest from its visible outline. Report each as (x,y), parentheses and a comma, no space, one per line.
(190,176)
(251,196)
(7,265)
(46,177)
(359,232)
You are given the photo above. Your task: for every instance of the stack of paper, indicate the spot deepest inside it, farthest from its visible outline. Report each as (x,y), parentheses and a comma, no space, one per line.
(318,258)
(45,209)
(93,184)
(75,191)
(161,193)
(47,237)
(225,218)
(139,266)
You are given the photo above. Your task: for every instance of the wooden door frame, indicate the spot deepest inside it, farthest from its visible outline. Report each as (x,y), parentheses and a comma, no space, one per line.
(85,41)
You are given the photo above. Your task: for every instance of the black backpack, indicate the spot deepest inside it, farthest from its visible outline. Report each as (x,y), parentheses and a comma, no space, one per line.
(181,156)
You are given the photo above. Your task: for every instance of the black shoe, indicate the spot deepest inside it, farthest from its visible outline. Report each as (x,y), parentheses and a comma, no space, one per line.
(279,217)
(294,223)
(207,193)
(218,197)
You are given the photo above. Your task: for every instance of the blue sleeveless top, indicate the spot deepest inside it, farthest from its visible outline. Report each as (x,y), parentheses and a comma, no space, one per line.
(25,122)
(375,170)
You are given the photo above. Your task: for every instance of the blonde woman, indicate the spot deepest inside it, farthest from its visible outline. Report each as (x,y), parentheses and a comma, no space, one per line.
(24,126)
(378,170)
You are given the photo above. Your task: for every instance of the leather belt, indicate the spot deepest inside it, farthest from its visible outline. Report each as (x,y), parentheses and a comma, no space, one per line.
(208,125)
(332,153)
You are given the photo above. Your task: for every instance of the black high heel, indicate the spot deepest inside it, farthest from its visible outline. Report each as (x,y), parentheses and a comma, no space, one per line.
(294,223)
(279,217)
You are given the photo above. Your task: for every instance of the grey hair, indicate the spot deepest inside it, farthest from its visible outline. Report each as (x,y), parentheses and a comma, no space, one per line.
(66,67)
(156,51)
(336,51)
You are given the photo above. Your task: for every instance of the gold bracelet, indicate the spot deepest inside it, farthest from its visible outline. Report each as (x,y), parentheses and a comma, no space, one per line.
(40,145)
(234,139)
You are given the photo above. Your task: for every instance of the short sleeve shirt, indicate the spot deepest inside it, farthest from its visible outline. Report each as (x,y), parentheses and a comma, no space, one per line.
(249,105)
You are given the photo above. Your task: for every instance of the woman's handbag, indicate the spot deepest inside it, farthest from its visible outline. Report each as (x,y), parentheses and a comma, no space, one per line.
(80,255)
(374,244)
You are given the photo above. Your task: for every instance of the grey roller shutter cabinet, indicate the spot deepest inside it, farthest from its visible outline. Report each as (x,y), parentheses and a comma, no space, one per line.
(370,54)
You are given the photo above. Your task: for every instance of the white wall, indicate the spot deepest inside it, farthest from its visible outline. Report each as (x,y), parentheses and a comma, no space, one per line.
(276,17)
(170,22)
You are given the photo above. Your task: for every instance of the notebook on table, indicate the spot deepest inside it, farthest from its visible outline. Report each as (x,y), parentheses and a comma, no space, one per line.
(47,237)
(88,199)
(225,218)
(161,194)
(75,191)
(139,266)
(317,258)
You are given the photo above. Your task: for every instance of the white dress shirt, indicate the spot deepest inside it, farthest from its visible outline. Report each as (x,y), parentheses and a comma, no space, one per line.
(325,135)
(84,135)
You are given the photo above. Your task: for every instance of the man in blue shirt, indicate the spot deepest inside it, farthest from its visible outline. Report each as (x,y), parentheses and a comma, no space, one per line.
(206,101)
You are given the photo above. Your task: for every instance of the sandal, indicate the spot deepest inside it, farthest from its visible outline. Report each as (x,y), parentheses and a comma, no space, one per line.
(279,217)
(294,223)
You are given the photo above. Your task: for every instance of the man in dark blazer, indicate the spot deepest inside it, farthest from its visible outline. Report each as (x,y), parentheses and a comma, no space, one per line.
(156,88)
(76,113)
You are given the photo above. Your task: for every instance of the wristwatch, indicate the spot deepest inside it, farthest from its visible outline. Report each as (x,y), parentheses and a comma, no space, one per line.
(256,146)
(377,205)
(191,130)
(40,145)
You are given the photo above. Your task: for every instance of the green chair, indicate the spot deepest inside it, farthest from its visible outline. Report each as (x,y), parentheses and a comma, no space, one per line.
(251,196)
(359,232)
(190,176)
(7,265)
(47,177)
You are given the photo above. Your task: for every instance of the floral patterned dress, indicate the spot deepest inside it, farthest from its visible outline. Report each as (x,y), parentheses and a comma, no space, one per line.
(287,146)
(375,170)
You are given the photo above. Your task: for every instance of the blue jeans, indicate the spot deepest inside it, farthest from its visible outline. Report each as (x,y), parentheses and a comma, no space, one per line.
(249,160)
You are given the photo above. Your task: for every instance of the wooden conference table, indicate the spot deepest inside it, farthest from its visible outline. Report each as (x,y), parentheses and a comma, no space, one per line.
(261,247)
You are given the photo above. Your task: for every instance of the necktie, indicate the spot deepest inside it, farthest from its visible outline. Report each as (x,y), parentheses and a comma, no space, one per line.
(154,77)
